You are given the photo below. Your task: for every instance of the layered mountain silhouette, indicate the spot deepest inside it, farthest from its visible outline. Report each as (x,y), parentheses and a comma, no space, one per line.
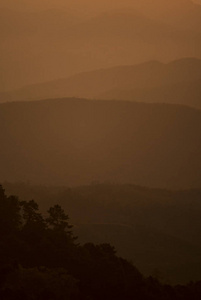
(187,93)
(44,45)
(176,82)
(184,14)
(72,141)
(100,114)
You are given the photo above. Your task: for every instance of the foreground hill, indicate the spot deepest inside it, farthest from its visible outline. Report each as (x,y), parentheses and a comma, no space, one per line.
(76,141)
(175,82)
(41,259)
(159,230)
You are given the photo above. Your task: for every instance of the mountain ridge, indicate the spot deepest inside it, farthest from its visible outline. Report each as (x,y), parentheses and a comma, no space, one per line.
(94,84)
(79,141)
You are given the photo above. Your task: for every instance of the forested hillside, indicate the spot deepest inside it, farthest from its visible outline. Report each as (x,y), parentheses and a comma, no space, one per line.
(158,230)
(40,259)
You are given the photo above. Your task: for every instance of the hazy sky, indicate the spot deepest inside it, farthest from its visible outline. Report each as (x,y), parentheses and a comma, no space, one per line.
(76,4)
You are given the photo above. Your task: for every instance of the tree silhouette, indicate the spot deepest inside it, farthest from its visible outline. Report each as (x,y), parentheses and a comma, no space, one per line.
(10,219)
(30,212)
(58,220)
(39,260)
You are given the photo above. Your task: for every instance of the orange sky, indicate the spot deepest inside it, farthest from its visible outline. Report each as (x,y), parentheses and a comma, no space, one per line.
(76,4)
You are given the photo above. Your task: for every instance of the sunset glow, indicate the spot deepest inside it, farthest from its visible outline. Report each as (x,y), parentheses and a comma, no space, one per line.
(100,150)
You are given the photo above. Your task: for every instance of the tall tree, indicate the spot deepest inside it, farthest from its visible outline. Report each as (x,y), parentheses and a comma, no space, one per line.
(58,219)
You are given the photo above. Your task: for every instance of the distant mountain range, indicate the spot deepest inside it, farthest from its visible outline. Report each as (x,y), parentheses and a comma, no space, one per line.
(177,82)
(44,45)
(188,93)
(77,141)
(184,14)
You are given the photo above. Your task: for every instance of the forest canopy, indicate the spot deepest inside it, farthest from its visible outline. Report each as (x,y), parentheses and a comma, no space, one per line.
(41,259)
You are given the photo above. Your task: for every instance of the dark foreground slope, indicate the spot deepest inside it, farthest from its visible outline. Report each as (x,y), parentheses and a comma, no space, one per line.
(158,230)
(40,259)
(73,142)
